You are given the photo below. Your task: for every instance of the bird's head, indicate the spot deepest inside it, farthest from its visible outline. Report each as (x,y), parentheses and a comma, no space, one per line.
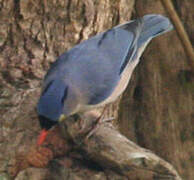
(50,106)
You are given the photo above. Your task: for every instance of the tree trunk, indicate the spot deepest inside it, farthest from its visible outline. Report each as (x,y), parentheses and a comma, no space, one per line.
(156,110)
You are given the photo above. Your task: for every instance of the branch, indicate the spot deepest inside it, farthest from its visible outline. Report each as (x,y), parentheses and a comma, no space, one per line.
(180,30)
(113,151)
(106,146)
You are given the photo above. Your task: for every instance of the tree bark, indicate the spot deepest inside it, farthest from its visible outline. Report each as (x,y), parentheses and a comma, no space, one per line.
(156,111)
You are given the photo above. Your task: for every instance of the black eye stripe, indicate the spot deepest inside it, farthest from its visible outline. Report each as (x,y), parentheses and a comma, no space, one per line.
(46,123)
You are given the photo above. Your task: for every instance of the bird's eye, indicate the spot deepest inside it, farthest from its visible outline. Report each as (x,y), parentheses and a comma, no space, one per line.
(64,96)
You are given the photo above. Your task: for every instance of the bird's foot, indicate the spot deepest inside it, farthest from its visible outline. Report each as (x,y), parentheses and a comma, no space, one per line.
(97,124)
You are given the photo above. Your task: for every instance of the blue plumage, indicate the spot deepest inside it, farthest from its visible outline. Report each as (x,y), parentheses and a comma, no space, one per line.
(51,102)
(154,25)
(96,71)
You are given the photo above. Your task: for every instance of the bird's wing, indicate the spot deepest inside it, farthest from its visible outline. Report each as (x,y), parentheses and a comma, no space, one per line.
(120,43)
(134,27)
(122,46)
(96,65)
(106,56)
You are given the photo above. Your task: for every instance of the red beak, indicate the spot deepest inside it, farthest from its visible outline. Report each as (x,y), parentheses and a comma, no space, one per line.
(42,137)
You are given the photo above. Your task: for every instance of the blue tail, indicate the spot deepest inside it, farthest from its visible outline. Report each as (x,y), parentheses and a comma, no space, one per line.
(153,25)
(141,31)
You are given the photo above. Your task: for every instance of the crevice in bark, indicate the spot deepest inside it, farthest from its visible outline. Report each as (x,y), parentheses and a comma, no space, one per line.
(68,11)
(28,51)
(17,10)
(84,24)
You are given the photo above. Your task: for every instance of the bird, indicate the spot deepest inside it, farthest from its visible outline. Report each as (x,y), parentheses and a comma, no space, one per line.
(96,72)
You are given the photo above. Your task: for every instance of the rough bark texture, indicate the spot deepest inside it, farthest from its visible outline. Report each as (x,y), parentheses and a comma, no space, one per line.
(156,111)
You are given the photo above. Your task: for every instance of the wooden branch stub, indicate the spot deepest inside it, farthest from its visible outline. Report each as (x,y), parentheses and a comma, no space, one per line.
(114,151)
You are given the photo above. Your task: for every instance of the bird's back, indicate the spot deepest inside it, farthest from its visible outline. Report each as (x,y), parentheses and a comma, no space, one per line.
(96,67)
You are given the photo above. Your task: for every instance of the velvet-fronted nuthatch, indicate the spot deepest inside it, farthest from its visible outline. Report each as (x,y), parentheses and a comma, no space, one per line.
(96,71)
